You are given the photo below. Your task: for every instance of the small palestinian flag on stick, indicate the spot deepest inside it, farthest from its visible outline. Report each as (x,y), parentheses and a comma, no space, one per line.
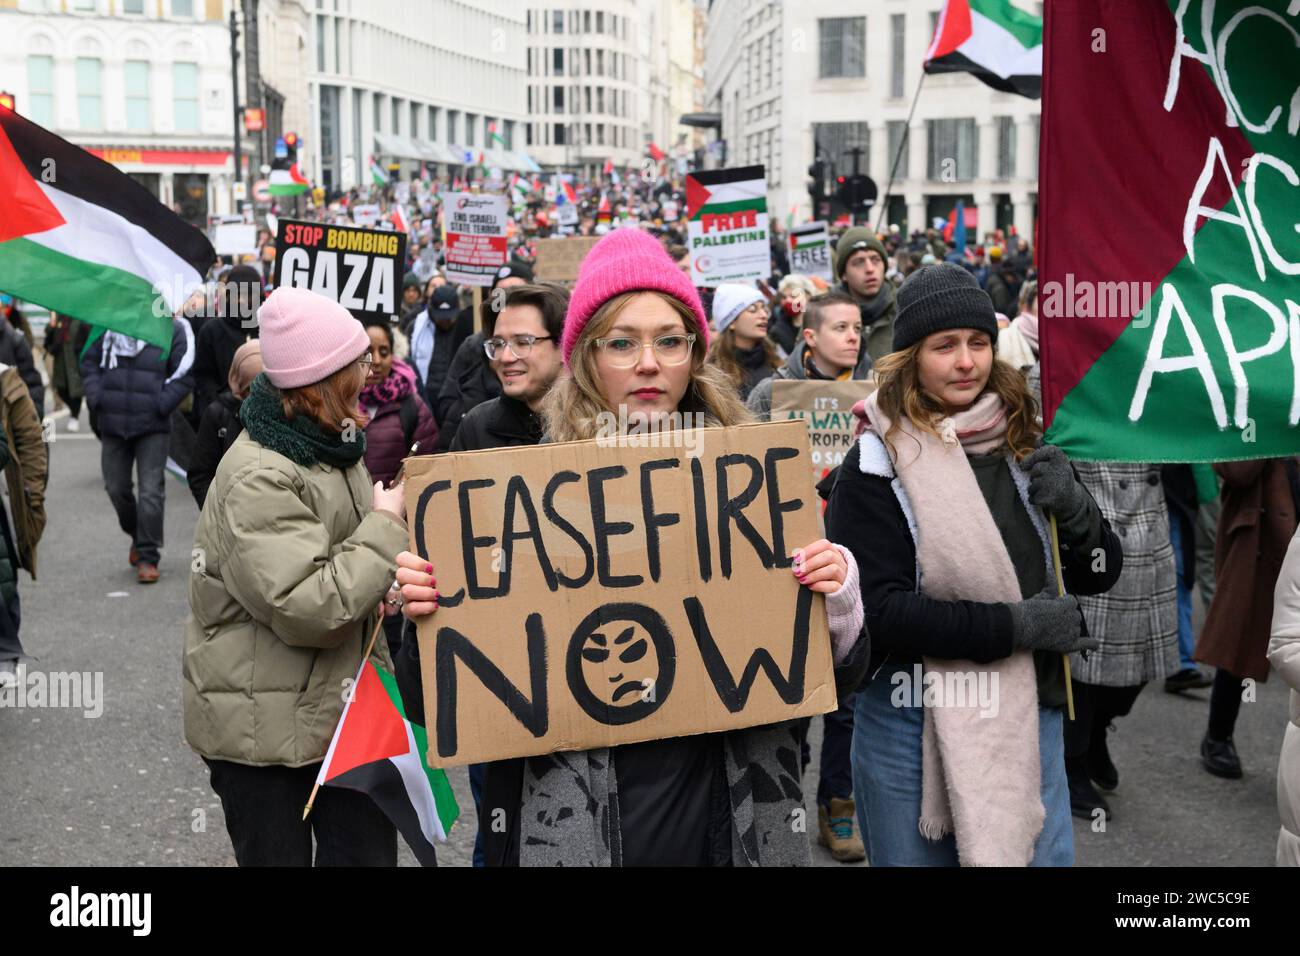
(378,173)
(377,751)
(80,237)
(998,43)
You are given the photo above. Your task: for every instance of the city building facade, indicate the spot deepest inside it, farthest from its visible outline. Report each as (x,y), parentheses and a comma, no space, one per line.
(794,82)
(438,84)
(144,84)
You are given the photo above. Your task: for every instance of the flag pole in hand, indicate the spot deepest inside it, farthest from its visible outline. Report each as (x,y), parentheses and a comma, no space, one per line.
(1060,592)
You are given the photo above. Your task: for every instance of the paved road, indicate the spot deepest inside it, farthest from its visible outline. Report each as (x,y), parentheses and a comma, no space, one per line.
(124,789)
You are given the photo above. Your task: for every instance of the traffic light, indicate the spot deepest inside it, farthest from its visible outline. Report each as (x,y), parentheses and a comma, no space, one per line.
(817,188)
(6,100)
(857,192)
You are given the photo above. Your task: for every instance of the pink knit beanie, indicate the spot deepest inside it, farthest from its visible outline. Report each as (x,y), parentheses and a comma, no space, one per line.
(306,337)
(626,260)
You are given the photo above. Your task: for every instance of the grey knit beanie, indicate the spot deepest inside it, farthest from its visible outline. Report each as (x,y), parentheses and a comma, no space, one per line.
(941,296)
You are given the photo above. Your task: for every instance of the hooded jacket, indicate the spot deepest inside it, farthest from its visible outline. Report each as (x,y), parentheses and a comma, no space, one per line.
(293,567)
(470,382)
(132,387)
(760,399)
(214,350)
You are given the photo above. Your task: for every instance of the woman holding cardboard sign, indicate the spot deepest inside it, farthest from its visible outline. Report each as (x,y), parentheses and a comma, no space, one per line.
(634,342)
(294,551)
(942,502)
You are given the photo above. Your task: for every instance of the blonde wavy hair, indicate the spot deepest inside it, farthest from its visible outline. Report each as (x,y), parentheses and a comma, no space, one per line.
(900,395)
(572,406)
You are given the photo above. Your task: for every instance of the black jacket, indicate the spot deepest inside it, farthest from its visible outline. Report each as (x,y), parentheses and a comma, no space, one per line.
(15,351)
(470,381)
(135,394)
(215,349)
(500,422)
(218,429)
(865,516)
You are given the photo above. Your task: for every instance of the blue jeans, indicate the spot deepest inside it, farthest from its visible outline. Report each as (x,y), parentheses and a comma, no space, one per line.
(887,784)
(1178,531)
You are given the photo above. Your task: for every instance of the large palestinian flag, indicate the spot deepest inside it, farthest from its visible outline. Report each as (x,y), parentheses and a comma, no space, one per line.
(288,181)
(378,751)
(1169,296)
(998,43)
(82,238)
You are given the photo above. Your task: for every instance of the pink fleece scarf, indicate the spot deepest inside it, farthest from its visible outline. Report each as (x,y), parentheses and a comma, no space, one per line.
(395,386)
(980,775)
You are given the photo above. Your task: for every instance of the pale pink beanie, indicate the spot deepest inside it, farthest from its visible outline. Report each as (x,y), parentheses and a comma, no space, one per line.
(626,260)
(306,337)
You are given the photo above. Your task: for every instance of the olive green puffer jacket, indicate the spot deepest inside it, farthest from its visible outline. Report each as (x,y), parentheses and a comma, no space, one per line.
(289,567)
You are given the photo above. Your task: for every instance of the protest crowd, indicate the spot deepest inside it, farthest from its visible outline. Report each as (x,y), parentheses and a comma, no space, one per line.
(295,421)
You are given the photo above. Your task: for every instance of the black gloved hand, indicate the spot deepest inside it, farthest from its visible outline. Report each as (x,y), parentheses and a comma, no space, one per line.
(1046,622)
(1052,484)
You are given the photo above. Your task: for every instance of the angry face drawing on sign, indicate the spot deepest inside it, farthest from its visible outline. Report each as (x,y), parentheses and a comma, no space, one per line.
(621,663)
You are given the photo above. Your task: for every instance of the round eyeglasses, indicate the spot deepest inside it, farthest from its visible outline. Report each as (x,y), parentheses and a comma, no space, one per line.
(621,351)
(520,346)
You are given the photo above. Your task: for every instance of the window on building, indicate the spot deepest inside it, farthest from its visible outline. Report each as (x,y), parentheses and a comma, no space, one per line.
(185,97)
(358,157)
(600,99)
(508,134)
(600,62)
(837,139)
(557,21)
(934,23)
(433,118)
(471,129)
(183,8)
(557,99)
(135,80)
(1006,147)
(530,21)
(586,98)
(600,22)
(530,62)
(558,134)
(90,114)
(843,44)
(320,43)
(133,6)
(528,134)
(557,62)
(953,154)
(453,126)
(397,116)
(586,61)
(574,61)
(40,90)
(600,134)
(573,21)
(898,54)
(586,21)
(894,134)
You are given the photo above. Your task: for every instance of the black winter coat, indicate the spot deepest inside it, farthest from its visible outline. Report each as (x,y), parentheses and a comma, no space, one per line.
(865,516)
(470,381)
(15,351)
(133,395)
(215,348)
(500,422)
(218,429)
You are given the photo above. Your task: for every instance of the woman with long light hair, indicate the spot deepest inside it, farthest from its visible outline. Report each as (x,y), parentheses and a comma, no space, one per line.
(944,501)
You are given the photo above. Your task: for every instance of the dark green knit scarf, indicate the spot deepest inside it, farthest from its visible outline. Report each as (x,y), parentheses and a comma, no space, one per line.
(300,440)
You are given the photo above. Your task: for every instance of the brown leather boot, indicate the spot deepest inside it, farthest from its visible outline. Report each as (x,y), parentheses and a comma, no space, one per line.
(146,573)
(836,830)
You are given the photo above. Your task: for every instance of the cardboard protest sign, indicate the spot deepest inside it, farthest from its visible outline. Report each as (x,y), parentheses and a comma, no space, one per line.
(810,250)
(726,211)
(604,592)
(474,240)
(826,408)
(1170,326)
(558,260)
(361,269)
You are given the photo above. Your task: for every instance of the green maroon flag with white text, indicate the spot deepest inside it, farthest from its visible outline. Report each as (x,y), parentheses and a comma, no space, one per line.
(82,238)
(1169,241)
(991,39)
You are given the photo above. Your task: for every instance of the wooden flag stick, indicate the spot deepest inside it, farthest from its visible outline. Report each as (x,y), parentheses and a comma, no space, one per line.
(1060,592)
(364,657)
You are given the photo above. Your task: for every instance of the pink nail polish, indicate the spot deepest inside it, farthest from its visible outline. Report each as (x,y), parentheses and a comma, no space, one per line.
(428,569)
